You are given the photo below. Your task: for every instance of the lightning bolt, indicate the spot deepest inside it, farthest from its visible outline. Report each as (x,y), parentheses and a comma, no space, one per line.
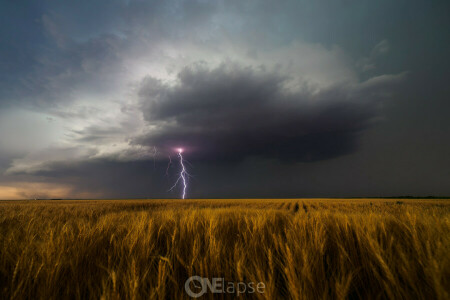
(183,174)
(168,166)
(154,156)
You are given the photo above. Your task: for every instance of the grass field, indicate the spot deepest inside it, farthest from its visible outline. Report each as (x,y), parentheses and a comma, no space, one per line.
(299,248)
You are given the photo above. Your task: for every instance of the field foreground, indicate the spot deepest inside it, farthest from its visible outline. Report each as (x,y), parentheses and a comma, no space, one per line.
(299,248)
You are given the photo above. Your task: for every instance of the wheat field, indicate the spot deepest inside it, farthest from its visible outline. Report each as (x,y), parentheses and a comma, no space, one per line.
(299,248)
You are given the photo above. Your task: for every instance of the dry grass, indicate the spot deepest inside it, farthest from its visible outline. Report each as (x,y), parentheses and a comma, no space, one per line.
(300,249)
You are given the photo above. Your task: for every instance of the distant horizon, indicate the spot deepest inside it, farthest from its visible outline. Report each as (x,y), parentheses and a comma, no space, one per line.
(238,198)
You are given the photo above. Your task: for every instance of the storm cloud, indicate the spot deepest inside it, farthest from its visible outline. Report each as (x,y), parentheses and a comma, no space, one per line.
(268,98)
(232,112)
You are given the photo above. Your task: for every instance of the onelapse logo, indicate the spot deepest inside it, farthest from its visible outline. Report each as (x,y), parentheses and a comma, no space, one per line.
(197,286)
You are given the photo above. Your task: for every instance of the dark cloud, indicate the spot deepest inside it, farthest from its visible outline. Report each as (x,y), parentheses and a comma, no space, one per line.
(232,112)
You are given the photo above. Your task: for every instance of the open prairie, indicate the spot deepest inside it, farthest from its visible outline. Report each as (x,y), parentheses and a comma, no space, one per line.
(298,248)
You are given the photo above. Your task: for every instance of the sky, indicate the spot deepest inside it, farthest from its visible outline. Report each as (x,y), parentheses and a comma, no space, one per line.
(301,98)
